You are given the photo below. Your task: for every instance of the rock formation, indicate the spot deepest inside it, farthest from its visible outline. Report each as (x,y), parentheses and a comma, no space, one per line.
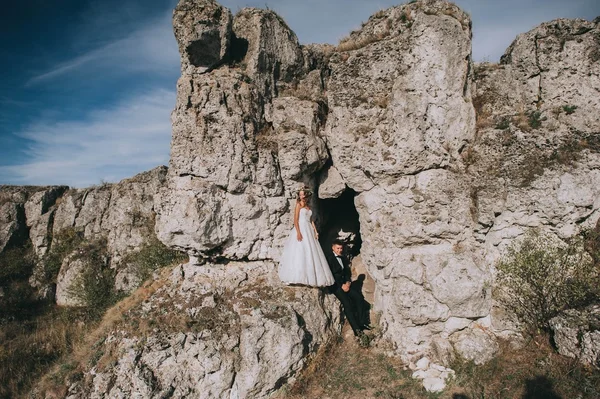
(391,111)
(446,163)
(122,214)
(577,334)
(399,115)
(535,162)
(212,331)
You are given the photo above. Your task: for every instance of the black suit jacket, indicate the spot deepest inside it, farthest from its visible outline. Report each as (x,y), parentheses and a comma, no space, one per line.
(340,275)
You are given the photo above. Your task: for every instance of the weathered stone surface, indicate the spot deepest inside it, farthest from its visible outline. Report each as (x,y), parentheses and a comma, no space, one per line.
(433,375)
(246,336)
(39,216)
(556,65)
(123,213)
(387,114)
(203,32)
(423,257)
(300,149)
(535,163)
(11,224)
(577,334)
(70,270)
(27,208)
(332,184)
(40,202)
(273,53)
(237,159)
(40,231)
(475,344)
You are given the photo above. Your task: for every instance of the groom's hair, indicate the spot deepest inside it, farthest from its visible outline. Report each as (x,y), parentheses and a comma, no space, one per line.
(337,242)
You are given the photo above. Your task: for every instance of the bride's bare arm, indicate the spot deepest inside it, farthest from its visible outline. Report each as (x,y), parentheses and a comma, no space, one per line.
(296,217)
(315,229)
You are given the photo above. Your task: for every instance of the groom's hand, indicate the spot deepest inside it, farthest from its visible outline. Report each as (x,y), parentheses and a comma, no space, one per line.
(346,287)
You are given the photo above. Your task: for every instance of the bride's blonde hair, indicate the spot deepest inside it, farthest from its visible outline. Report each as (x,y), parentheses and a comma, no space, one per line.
(307,194)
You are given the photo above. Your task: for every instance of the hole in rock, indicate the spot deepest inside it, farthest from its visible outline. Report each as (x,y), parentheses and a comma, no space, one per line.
(339,220)
(205,51)
(238,48)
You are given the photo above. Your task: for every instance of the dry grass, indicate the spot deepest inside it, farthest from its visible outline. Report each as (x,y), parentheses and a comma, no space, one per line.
(382,101)
(349,44)
(534,160)
(521,120)
(343,370)
(29,347)
(570,151)
(469,156)
(483,104)
(83,350)
(535,371)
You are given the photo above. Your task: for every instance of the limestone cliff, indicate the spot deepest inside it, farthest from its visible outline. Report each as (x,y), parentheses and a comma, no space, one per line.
(400,117)
(385,115)
(121,215)
(445,163)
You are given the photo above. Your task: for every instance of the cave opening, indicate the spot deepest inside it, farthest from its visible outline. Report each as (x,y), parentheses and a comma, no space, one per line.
(339,220)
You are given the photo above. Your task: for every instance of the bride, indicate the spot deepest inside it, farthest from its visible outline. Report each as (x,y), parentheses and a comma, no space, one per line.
(303,260)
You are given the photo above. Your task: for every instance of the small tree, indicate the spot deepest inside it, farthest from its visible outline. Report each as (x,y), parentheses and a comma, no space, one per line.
(542,276)
(152,256)
(95,286)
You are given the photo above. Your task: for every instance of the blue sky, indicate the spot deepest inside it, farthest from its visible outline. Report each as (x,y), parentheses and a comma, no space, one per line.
(87,86)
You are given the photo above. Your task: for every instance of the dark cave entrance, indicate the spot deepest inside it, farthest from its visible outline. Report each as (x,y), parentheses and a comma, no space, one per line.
(339,220)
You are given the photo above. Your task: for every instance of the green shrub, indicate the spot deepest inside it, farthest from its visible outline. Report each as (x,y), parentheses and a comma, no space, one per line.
(535,119)
(16,264)
(503,124)
(63,243)
(95,286)
(569,109)
(151,257)
(540,277)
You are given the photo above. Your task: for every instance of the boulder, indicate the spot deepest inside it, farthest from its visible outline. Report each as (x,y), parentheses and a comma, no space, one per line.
(577,334)
(273,55)
(238,155)
(475,344)
(233,331)
(71,270)
(332,184)
(12,224)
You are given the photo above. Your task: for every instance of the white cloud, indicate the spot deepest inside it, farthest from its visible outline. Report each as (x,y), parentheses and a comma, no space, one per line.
(109,145)
(150,48)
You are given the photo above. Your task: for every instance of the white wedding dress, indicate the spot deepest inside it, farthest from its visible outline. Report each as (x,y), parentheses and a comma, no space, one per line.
(303,262)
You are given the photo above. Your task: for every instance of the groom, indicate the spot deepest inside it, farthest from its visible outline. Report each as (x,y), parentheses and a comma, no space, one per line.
(351,300)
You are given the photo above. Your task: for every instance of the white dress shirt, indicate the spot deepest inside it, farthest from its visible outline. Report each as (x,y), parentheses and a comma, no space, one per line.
(339,260)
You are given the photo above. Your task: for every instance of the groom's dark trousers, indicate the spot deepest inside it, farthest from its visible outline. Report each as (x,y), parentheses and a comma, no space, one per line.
(351,300)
